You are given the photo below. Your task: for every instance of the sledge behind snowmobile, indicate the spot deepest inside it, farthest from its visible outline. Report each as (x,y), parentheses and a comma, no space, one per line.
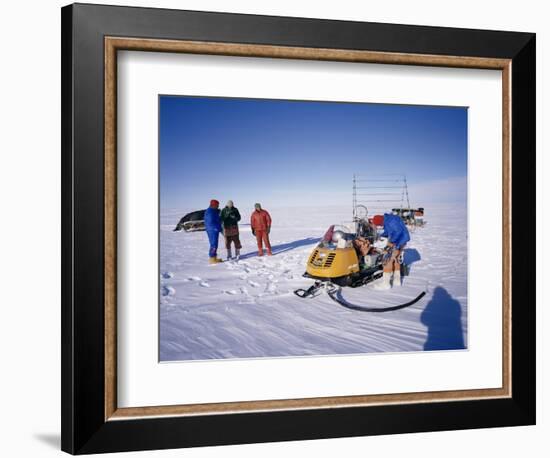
(412,217)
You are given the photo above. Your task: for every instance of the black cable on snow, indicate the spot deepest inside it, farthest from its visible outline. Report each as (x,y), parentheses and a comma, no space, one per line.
(336,295)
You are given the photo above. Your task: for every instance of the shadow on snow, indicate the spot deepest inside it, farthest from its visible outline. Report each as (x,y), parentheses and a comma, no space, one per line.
(442,318)
(411,255)
(281,248)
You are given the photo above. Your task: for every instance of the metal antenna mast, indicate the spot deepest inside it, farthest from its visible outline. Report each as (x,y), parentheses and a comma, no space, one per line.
(379,193)
(406,191)
(354,202)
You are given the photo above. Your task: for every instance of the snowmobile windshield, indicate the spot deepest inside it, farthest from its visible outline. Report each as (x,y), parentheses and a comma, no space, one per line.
(333,234)
(328,235)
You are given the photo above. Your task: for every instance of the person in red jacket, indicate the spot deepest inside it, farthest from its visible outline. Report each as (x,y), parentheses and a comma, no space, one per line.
(261,225)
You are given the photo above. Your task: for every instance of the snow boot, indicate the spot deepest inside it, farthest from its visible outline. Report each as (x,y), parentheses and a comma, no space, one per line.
(229,254)
(237,254)
(384,283)
(214,260)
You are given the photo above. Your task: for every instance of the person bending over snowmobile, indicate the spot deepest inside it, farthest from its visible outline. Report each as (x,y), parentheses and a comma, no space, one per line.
(397,235)
(261,226)
(213,227)
(230,217)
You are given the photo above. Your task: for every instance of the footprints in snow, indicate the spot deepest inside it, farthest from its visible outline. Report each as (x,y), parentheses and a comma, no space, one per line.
(168,291)
(265,274)
(261,277)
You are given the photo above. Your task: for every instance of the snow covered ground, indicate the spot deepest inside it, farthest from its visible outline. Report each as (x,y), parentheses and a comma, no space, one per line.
(247,309)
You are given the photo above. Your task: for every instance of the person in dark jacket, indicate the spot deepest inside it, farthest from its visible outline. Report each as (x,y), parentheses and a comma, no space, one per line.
(398,236)
(230,217)
(213,227)
(260,221)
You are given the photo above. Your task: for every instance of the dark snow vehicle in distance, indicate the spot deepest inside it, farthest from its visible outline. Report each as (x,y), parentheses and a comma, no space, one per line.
(192,222)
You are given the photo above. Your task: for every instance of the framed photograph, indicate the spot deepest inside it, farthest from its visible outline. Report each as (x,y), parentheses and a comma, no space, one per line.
(281,228)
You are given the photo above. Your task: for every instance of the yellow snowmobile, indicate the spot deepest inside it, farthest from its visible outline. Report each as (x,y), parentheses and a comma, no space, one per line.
(340,257)
(348,259)
(337,258)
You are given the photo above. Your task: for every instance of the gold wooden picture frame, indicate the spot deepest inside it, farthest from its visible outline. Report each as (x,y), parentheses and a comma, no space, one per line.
(115,44)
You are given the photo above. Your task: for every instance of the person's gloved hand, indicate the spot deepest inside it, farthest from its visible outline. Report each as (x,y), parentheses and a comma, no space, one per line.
(253,232)
(269,229)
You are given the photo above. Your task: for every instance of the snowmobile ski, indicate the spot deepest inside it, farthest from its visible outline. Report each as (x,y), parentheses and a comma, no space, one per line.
(303,293)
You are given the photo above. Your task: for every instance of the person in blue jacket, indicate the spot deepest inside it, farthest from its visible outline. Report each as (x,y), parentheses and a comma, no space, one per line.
(398,236)
(213,226)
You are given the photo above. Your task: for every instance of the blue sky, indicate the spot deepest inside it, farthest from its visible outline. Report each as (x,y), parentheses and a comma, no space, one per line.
(299,153)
